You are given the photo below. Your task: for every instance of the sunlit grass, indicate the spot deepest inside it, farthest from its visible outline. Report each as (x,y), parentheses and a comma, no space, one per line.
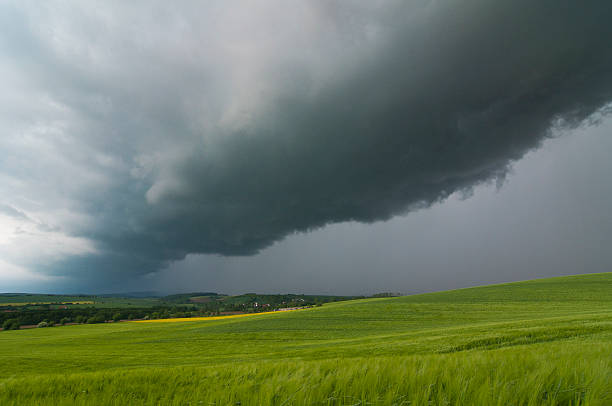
(560,374)
(545,342)
(211,318)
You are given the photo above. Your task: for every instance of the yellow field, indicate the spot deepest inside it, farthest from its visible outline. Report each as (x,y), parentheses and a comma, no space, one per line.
(233,316)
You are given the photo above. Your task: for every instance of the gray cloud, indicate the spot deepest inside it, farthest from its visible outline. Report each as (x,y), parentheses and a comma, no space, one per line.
(160,131)
(550,218)
(12,212)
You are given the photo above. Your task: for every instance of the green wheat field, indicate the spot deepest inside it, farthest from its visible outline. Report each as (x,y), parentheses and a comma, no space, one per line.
(540,342)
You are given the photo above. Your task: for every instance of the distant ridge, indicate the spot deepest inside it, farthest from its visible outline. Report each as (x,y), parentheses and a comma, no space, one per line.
(130,294)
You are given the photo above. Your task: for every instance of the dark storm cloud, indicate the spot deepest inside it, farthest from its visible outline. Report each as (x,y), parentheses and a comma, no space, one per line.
(190,133)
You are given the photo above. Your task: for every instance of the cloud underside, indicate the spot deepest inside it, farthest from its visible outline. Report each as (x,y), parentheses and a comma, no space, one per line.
(208,139)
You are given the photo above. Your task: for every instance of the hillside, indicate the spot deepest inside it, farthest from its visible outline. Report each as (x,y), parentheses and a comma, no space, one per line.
(469,345)
(24,310)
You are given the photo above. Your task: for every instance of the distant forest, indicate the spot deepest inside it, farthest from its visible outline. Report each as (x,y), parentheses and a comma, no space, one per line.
(32,310)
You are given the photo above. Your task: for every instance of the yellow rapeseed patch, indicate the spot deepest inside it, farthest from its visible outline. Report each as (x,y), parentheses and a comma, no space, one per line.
(233,316)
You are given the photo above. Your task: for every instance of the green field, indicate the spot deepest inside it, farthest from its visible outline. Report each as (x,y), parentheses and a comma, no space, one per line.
(23,299)
(541,342)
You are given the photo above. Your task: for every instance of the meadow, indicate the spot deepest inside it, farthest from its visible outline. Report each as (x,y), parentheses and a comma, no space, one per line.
(540,342)
(24,299)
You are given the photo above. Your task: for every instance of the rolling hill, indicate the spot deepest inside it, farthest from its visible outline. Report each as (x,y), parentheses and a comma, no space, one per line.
(546,341)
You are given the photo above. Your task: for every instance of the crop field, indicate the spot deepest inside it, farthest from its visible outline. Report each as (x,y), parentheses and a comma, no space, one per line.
(75,301)
(208,318)
(540,342)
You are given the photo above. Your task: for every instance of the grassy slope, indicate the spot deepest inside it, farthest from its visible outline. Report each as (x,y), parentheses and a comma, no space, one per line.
(537,342)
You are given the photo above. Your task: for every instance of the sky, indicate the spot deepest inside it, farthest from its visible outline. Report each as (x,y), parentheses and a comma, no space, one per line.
(306,147)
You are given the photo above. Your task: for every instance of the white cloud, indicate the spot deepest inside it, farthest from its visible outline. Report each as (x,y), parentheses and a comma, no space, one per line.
(26,244)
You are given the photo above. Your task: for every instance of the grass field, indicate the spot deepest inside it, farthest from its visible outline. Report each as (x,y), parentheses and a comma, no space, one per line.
(76,302)
(541,342)
(23,299)
(207,318)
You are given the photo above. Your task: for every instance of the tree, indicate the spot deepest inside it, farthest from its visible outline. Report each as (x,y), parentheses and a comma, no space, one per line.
(10,324)
(98,318)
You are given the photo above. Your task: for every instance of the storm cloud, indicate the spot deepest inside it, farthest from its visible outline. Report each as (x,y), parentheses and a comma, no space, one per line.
(144,132)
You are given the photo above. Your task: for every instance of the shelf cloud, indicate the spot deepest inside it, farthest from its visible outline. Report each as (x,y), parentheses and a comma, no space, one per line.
(150,131)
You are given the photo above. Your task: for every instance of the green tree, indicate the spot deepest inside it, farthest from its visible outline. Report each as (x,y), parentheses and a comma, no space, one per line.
(10,324)
(98,318)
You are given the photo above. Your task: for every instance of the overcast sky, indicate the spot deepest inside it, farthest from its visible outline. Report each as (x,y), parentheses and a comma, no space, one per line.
(303,146)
